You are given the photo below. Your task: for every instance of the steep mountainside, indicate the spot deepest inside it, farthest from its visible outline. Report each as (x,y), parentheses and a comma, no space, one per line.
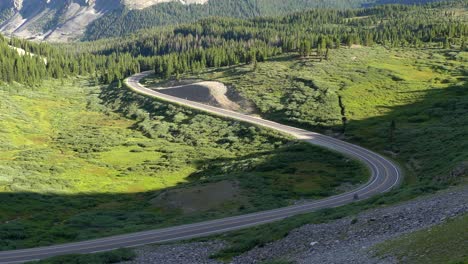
(52,19)
(123,22)
(62,20)
(140,4)
(66,20)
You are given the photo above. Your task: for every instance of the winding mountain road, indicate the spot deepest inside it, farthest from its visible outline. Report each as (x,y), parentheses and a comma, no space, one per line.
(385,175)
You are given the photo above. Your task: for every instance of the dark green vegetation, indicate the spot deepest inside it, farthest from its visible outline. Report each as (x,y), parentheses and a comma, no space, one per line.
(115,256)
(51,62)
(410,104)
(392,78)
(406,103)
(216,42)
(224,42)
(122,22)
(72,169)
(446,243)
(405,97)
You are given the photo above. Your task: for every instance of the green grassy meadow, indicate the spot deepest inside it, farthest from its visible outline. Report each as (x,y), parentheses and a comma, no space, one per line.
(423,91)
(359,91)
(79,161)
(445,243)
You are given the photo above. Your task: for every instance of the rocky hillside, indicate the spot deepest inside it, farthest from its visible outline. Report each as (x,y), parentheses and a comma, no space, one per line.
(62,20)
(67,20)
(140,4)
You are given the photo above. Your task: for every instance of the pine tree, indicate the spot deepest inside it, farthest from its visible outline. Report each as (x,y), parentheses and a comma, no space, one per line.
(305,48)
(446,43)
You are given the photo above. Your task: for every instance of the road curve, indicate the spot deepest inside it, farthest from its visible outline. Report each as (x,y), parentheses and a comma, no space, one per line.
(385,175)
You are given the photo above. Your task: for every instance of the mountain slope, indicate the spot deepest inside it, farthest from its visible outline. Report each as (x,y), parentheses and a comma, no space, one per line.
(66,20)
(123,22)
(52,19)
(140,4)
(62,20)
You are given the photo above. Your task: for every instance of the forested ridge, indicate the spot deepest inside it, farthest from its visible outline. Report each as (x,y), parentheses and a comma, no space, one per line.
(123,21)
(215,42)
(31,68)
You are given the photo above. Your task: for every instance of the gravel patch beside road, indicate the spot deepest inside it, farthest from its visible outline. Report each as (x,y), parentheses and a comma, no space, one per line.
(189,253)
(347,240)
(207,92)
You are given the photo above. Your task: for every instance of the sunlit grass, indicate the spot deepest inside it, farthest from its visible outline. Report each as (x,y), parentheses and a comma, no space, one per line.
(414,87)
(72,167)
(445,243)
(423,90)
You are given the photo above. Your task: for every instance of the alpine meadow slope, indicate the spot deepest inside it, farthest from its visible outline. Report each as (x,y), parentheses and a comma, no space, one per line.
(83,157)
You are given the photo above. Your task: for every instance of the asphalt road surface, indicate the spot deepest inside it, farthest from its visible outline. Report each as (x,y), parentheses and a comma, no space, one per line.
(385,175)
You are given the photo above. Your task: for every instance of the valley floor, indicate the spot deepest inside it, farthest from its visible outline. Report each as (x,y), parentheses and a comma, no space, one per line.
(79,161)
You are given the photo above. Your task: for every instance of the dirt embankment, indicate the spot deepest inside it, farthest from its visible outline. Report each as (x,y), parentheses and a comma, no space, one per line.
(207,92)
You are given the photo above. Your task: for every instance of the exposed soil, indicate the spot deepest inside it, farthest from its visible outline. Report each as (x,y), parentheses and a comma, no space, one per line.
(208,92)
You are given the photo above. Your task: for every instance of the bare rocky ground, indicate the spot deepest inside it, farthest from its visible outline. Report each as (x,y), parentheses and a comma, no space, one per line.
(348,240)
(190,253)
(207,92)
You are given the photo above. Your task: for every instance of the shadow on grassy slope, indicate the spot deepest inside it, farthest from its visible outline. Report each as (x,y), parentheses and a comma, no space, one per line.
(267,180)
(429,137)
(430,140)
(436,141)
(272,175)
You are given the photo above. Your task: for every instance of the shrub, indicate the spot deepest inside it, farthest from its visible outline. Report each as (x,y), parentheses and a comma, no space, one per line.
(418,118)
(115,256)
